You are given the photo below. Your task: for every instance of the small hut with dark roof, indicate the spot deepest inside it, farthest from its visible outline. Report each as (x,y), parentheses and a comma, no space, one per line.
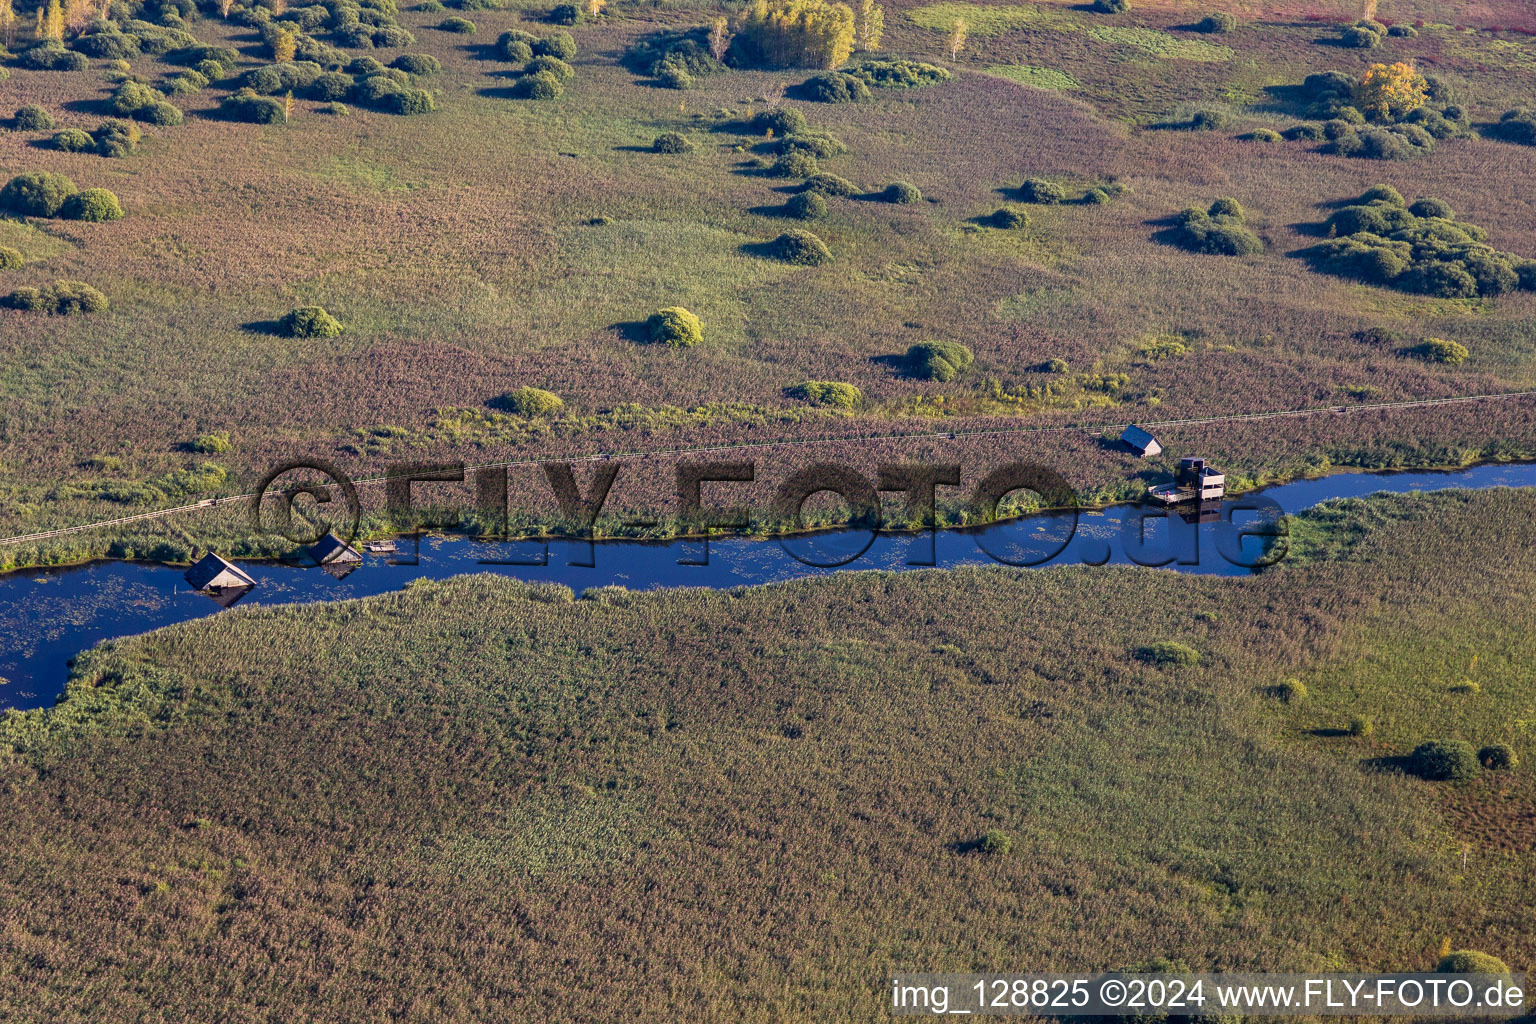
(214,573)
(1142,444)
(332,550)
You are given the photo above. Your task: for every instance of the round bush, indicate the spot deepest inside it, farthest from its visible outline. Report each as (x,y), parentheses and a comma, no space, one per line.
(1009,219)
(540,86)
(1361,727)
(994,843)
(674,76)
(1292,691)
(1168,652)
(562,71)
(1498,757)
(1038,190)
(393,37)
(1304,132)
(32,118)
(309,322)
(462,26)
(1360,38)
(94,204)
(829,185)
(817,144)
(836,87)
(36,194)
(938,360)
(1432,208)
(1208,121)
(61,297)
(166,115)
(118,138)
(409,101)
(780,121)
(417,64)
(246,106)
(1095,197)
(1226,207)
(671,142)
(565,14)
(794,165)
(828,392)
(801,248)
(1218,22)
(211,69)
(516,45)
(1110,6)
(73,140)
(10,259)
(556,44)
(333,85)
(1471,961)
(809,205)
(365,67)
(1444,761)
(675,326)
(901,193)
(531,402)
(1263,135)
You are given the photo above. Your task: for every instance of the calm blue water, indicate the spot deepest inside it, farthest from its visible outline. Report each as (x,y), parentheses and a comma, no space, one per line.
(48,616)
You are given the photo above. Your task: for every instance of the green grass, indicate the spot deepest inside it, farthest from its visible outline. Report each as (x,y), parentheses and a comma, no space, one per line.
(1038,78)
(742,806)
(1161,44)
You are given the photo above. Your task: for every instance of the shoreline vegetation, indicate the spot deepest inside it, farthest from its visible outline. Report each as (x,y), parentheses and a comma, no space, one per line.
(950,515)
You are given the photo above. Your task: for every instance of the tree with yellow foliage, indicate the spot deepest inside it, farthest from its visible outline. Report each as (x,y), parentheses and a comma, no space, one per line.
(595,8)
(1386,93)
(7,23)
(871,25)
(797,33)
(78,14)
(956,41)
(719,39)
(284,46)
(50,25)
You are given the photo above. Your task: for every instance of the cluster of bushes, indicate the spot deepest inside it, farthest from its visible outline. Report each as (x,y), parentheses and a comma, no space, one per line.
(1390,142)
(546,70)
(11,259)
(309,322)
(1218,230)
(1458,760)
(1518,125)
(111,139)
(835,87)
(1044,192)
(675,58)
(1420,248)
(938,360)
(52,56)
(899,74)
(246,105)
(61,298)
(142,103)
(828,392)
(675,326)
(1365,34)
(45,194)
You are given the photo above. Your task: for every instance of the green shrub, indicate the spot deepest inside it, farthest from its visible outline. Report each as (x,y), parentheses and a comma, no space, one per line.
(808,205)
(779,121)
(817,144)
(532,402)
(540,86)
(36,194)
(186,83)
(1038,190)
(1227,207)
(1360,38)
(461,26)
(73,140)
(899,74)
(212,69)
(246,106)
(1440,350)
(166,115)
(800,248)
(1403,31)
(1444,761)
(1498,757)
(117,139)
(309,322)
(1008,219)
(94,204)
(1218,232)
(562,71)
(901,193)
(63,298)
(32,118)
(1168,652)
(794,165)
(52,56)
(216,443)
(828,392)
(335,109)
(938,360)
(829,185)
(1110,6)
(1471,961)
(131,96)
(1304,132)
(409,101)
(565,14)
(672,142)
(675,326)
(1362,727)
(1220,22)
(836,87)
(1208,121)
(1263,135)
(556,44)
(10,259)
(417,64)
(516,46)
(333,85)
(1292,691)
(1432,208)
(1517,125)
(995,843)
